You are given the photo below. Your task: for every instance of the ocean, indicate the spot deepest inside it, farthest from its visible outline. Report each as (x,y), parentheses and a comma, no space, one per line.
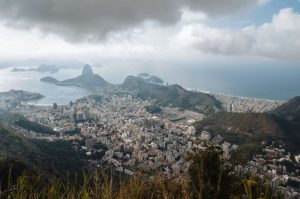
(260,80)
(30,81)
(279,83)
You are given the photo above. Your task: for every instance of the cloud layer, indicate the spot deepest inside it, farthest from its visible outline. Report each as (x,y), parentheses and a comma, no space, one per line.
(78,20)
(116,23)
(277,39)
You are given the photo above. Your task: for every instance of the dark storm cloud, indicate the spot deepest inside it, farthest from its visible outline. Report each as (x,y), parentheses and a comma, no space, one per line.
(78,20)
(219,7)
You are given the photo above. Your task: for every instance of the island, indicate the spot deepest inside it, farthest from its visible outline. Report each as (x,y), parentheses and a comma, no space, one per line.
(13,98)
(18,69)
(49,79)
(21,95)
(87,79)
(44,68)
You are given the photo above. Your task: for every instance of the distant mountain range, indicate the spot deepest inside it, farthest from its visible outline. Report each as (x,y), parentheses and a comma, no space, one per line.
(173,95)
(245,129)
(251,131)
(147,87)
(87,79)
(42,69)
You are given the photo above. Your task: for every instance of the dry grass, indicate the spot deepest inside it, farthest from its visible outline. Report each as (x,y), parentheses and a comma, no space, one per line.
(100,186)
(209,177)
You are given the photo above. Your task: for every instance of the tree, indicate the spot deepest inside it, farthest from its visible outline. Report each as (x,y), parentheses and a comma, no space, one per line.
(211,177)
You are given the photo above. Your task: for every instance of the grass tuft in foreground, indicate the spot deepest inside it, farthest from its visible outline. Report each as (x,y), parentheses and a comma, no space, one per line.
(209,177)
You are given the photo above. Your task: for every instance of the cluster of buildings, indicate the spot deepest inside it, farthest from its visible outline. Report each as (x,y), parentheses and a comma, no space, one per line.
(277,166)
(245,104)
(117,130)
(131,138)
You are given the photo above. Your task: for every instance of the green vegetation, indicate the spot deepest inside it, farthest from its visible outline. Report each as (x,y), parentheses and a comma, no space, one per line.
(19,120)
(59,157)
(251,130)
(9,118)
(173,95)
(33,126)
(209,177)
(153,109)
(73,132)
(290,110)
(96,97)
(13,146)
(50,157)
(256,188)
(10,170)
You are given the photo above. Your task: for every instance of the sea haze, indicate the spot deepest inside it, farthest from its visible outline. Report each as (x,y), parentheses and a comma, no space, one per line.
(269,82)
(264,80)
(30,81)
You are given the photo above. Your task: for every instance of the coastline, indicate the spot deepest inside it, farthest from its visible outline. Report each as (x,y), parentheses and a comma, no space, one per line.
(241,104)
(230,95)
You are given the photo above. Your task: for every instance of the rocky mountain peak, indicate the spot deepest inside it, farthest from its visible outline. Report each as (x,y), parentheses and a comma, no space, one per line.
(87,70)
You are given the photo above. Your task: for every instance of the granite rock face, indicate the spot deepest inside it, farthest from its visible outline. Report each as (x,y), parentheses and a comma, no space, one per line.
(87,79)
(87,71)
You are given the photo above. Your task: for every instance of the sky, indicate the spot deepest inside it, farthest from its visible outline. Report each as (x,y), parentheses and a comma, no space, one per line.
(174,31)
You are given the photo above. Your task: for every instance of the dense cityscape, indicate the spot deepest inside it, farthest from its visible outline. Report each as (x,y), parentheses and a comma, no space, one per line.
(162,99)
(131,134)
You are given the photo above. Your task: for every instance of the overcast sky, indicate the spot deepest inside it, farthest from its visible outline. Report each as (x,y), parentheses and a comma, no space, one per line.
(160,30)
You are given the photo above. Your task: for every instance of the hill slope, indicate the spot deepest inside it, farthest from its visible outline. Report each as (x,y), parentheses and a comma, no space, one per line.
(289,110)
(252,128)
(173,95)
(15,146)
(39,155)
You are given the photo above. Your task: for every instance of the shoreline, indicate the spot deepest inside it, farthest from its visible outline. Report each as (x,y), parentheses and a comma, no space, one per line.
(230,103)
(230,95)
(241,104)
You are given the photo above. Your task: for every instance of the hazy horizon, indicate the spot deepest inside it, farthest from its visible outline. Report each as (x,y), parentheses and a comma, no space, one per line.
(245,48)
(268,83)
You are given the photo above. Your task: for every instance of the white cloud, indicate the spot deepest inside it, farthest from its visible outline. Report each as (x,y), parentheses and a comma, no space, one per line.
(191,39)
(93,20)
(277,39)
